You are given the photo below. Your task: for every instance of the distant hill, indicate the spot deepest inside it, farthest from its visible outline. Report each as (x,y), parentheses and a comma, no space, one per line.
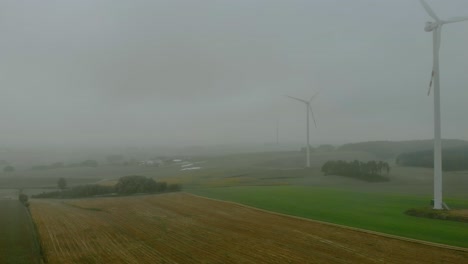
(453,159)
(391,149)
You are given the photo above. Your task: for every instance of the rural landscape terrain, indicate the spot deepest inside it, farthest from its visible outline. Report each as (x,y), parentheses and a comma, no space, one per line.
(233,131)
(368,220)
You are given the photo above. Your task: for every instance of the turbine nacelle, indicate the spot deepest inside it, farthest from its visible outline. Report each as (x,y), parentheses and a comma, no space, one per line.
(430,26)
(435,27)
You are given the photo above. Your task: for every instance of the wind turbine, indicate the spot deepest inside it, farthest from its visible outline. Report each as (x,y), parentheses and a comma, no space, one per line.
(436,28)
(308,110)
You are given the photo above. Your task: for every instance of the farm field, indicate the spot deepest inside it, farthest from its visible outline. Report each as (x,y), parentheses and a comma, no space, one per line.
(18,244)
(366,209)
(183,228)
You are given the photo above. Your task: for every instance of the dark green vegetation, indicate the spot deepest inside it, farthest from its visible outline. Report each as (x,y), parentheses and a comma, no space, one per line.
(453,159)
(391,149)
(126,185)
(428,212)
(368,210)
(141,184)
(88,190)
(18,242)
(370,171)
(23,198)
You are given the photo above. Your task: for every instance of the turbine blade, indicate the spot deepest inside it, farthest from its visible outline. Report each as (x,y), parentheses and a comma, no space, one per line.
(313,96)
(304,101)
(430,83)
(429,10)
(455,19)
(436,42)
(313,117)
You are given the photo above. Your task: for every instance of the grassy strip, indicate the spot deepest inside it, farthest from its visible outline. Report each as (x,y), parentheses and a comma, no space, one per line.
(372,211)
(18,241)
(428,212)
(37,238)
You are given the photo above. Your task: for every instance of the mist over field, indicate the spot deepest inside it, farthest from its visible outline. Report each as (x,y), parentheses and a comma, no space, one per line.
(241,131)
(118,74)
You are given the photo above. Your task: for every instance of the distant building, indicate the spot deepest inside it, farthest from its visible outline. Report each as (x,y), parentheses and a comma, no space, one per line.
(191,168)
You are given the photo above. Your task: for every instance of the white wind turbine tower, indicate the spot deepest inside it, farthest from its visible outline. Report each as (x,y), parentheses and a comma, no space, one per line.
(436,28)
(308,110)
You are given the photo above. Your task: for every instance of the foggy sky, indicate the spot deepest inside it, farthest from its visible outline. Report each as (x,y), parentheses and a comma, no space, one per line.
(211,72)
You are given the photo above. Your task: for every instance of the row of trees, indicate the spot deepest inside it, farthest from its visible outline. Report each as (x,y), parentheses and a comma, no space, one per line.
(391,149)
(126,185)
(139,184)
(453,159)
(368,171)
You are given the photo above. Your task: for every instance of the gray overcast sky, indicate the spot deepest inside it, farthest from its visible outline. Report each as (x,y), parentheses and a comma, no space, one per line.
(211,72)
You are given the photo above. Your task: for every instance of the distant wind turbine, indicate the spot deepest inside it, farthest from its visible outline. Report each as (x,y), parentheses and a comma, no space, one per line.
(308,110)
(436,28)
(277,131)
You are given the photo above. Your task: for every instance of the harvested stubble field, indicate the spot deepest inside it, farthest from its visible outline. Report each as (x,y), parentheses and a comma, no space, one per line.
(183,228)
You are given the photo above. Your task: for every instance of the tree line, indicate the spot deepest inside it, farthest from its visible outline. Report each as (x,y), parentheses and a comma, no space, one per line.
(126,185)
(391,149)
(371,171)
(453,159)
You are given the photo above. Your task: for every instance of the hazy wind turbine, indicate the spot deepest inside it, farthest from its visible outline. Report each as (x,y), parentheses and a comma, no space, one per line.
(277,130)
(436,28)
(308,110)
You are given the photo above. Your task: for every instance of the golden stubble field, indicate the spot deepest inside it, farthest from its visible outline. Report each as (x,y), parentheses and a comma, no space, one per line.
(182,228)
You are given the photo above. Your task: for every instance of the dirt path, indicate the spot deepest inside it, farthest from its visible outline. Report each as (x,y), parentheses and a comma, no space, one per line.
(18,244)
(182,228)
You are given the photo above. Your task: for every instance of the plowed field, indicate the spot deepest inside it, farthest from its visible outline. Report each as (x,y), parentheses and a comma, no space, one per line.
(182,228)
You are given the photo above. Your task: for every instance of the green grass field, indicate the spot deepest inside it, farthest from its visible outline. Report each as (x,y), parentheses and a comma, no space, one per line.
(375,211)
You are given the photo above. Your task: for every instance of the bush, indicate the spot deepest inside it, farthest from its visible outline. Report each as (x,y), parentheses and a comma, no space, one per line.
(23,198)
